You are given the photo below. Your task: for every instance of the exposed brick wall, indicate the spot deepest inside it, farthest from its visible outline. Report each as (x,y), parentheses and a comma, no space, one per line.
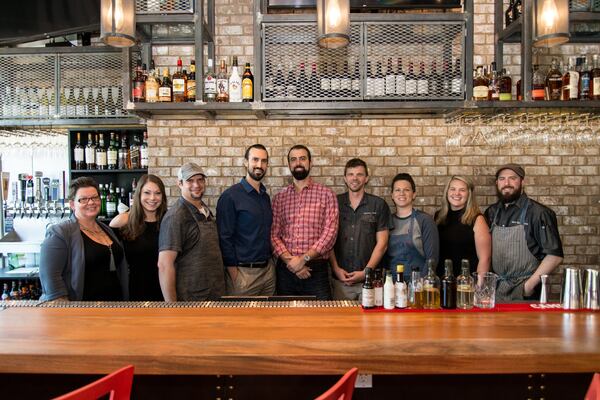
(566,179)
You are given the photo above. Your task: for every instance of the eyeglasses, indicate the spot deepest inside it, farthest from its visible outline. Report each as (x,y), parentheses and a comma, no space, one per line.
(87,200)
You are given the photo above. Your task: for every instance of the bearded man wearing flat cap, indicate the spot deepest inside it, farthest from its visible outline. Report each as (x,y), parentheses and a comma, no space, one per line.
(525,239)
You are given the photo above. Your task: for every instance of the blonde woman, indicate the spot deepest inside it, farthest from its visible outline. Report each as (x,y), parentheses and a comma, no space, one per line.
(464,234)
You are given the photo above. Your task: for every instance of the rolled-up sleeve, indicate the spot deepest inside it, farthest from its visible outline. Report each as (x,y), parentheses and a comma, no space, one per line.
(546,234)
(330,226)
(53,263)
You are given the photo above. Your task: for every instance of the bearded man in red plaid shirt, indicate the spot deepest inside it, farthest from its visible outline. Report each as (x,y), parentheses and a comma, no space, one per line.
(305,225)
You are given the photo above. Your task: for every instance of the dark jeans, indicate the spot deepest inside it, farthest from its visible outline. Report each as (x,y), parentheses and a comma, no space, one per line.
(288,284)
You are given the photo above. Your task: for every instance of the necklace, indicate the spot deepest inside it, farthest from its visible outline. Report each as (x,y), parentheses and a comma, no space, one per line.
(94,231)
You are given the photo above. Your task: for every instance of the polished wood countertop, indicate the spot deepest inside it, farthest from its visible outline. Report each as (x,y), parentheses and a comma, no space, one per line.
(278,341)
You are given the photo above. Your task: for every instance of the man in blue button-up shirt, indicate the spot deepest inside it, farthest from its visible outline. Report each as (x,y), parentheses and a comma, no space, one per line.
(244,221)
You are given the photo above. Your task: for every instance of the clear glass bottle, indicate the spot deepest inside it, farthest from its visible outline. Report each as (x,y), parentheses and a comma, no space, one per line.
(210,83)
(222,84)
(415,291)
(431,287)
(465,287)
(378,285)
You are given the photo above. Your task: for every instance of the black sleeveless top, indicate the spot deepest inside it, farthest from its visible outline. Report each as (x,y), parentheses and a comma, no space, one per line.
(100,283)
(142,257)
(457,241)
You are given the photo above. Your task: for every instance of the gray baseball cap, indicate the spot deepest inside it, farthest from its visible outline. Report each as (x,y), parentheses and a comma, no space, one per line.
(188,170)
(516,168)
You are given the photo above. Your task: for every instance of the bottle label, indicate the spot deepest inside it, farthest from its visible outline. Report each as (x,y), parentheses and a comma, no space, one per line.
(111,156)
(346,84)
(585,84)
(538,94)
(222,85)
(178,86)
(422,86)
(164,92)
(390,84)
(400,84)
(138,90)
(78,154)
(505,96)
(144,157)
(191,89)
(480,92)
(379,296)
(210,85)
(370,87)
(151,94)
(356,85)
(411,86)
(368,298)
(401,295)
(596,87)
(325,84)
(247,88)
(111,208)
(335,84)
(573,85)
(101,158)
(90,156)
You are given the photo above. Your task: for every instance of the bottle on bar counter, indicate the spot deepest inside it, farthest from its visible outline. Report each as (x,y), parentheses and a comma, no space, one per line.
(368,291)
(378,285)
(415,290)
(448,286)
(78,153)
(465,287)
(222,84)
(431,287)
(191,83)
(389,294)
(401,291)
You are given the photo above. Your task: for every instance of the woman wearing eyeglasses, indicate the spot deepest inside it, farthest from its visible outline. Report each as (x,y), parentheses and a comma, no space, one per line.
(81,258)
(139,229)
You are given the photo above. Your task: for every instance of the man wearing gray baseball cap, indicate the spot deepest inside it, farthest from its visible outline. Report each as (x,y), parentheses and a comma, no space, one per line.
(525,239)
(190,267)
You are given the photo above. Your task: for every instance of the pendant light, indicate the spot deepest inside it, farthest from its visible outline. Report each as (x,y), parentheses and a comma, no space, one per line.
(551,23)
(117,22)
(333,21)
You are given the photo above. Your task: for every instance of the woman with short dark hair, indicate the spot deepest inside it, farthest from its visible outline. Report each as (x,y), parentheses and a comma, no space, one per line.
(81,258)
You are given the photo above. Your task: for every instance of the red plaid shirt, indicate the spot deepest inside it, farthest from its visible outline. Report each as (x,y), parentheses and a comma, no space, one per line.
(305,220)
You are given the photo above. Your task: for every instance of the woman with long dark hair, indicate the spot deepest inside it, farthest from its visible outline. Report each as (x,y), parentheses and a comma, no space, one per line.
(139,229)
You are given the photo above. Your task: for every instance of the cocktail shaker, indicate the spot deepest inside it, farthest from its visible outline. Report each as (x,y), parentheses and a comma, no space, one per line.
(590,293)
(544,294)
(571,294)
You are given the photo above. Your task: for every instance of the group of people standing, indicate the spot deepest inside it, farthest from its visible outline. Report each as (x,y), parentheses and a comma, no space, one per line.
(306,242)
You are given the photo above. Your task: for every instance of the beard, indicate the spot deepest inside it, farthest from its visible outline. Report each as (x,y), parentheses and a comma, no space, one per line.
(355,190)
(300,173)
(257,177)
(509,197)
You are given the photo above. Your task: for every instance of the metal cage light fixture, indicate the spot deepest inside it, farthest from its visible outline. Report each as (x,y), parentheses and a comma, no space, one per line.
(117,22)
(551,23)
(333,22)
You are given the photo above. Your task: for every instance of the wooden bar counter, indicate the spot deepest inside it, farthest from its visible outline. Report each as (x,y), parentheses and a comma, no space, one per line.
(295,341)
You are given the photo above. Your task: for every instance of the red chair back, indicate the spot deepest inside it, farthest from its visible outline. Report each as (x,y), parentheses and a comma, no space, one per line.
(343,389)
(593,392)
(117,384)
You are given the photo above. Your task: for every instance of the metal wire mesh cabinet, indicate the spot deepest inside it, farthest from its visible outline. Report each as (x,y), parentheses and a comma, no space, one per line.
(164,6)
(403,60)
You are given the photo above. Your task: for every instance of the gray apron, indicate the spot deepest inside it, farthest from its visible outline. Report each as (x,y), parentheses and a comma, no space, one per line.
(511,258)
(205,278)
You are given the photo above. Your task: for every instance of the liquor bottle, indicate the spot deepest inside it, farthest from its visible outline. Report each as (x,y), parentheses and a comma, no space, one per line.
(508,14)
(401,291)
(210,83)
(90,153)
(314,83)
(109,107)
(70,98)
(334,76)
(400,79)
(80,108)
(585,78)
(122,153)
(345,81)
(138,84)
(368,291)
(222,84)
(448,287)
(325,81)
(464,287)
(457,81)
(248,84)
(505,86)
(431,288)
(179,82)
(415,291)
(553,82)
(164,91)
(191,82)
(435,81)
(144,152)
(493,84)
(101,159)
(595,81)
(112,153)
(389,294)
(411,81)
(379,81)
(390,79)
(134,153)
(235,83)
(538,84)
(78,153)
(303,83)
(422,81)
(370,81)
(291,84)
(102,188)
(570,81)
(356,80)
(152,85)
(111,205)
(378,285)
(89,104)
(480,85)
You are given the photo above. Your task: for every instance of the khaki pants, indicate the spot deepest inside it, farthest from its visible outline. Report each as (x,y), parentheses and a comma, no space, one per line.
(345,292)
(252,281)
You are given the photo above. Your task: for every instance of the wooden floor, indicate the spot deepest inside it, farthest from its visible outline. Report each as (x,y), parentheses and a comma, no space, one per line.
(295,341)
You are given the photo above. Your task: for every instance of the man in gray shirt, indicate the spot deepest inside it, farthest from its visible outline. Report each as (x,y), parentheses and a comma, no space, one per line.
(190,267)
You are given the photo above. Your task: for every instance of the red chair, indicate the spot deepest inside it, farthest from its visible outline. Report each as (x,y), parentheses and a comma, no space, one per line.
(343,389)
(117,384)
(593,392)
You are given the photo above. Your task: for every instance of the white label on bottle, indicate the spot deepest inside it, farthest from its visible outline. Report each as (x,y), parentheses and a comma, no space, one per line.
(101,158)
(370,87)
(151,94)
(178,86)
(345,84)
(356,85)
(401,295)
(111,156)
(480,92)
(422,86)
(379,296)
(164,92)
(368,297)
(401,84)
(379,86)
(210,86)
(389,295)
(111,208)
(325,84)
(596,87)
(456,85)
(78,154)
(411,86)
(90,155)
(235,89)
(390,84)
(335,83)
(144,157)
(573,84)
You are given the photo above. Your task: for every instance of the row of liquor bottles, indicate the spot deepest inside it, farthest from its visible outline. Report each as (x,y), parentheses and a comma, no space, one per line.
(428,292)
(328,81)
(95,155)
(74,101)
(181,86)
(21,290)
(578,81)
(115,200)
